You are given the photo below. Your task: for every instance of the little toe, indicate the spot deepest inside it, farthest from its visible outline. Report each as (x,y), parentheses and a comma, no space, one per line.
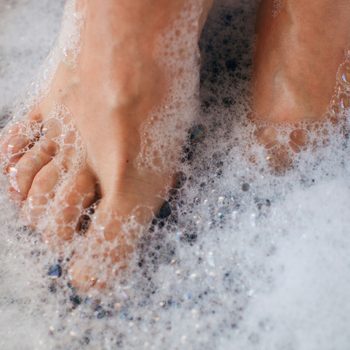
(21,175)
(13,144)
(12,150)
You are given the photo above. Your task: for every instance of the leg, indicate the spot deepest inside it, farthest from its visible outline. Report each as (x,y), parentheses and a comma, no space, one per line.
(299,50)
(133,57)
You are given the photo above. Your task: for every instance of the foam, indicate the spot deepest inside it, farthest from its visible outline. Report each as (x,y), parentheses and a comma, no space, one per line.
(277,7)
(248,259)
(179,57)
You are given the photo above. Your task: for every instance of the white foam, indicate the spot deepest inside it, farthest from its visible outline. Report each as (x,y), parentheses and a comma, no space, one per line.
(253,261)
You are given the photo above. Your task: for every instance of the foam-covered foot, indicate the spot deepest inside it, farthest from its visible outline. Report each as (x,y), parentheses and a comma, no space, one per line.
(300,47)
(94,153)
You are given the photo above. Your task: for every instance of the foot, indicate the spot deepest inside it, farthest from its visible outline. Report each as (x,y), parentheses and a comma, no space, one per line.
(301,46)
(92,135)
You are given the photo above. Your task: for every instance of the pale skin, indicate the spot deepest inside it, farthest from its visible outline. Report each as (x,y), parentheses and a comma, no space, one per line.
(108,113)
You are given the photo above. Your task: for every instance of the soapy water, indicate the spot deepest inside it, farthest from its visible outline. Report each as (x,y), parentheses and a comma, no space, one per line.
(247,259)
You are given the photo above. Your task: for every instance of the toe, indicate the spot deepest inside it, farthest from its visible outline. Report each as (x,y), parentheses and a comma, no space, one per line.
(71,200)
(12,150)
(21,175)
(298,140)
(86,273)
(41,193)
(12,145)
(109,244)
(19,137)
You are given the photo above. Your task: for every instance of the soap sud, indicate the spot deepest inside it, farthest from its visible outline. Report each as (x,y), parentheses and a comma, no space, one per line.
(180,58)
(277,7)
(248,259)
(65,51)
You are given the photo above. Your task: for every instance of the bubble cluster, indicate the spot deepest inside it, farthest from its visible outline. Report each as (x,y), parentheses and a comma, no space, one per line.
(239,257)
(178,54)
(277,7)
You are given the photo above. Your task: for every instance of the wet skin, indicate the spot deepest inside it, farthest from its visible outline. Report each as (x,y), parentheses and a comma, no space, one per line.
(110,94)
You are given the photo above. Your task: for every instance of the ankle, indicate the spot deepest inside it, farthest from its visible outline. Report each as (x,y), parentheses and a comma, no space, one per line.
(297,57)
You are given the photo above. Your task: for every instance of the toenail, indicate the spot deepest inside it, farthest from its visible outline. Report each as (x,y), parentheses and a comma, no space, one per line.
(34,214)
(299,137)
(36,117)
(141,214)
(70,138)
(13,179)
(267,136)
(14,195)
(51,128)
(110,235)
(16,144)
(73,198)
(69,214)
(66,233)
(34,201)
(15,128)
(48,147)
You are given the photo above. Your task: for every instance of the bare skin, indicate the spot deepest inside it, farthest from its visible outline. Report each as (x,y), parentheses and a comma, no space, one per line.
(298,53)
(110,94)
(117,81)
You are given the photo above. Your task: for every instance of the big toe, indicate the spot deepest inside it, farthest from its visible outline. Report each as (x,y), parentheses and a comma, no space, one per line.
(108,247)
